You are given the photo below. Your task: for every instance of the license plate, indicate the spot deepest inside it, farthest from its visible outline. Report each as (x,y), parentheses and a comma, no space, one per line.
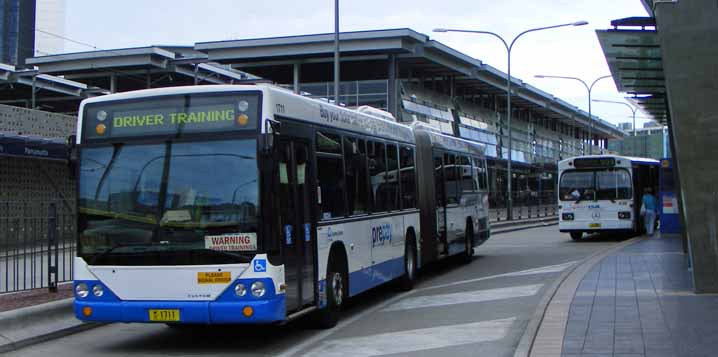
(164,315)
(594,225)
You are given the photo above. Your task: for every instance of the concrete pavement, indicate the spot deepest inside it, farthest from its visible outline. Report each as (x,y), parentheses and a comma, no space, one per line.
(636,301)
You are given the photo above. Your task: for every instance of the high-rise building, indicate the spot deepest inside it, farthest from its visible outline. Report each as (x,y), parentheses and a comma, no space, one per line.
(50,27)
(17,26)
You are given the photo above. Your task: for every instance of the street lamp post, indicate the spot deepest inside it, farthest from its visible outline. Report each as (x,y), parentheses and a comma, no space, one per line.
(633,110)
(590,115)
(509,47)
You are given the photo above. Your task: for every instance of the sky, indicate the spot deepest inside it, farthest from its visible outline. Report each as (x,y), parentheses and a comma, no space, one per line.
(569,51)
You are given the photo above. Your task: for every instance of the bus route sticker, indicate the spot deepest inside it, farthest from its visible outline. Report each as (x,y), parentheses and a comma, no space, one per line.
(238,242)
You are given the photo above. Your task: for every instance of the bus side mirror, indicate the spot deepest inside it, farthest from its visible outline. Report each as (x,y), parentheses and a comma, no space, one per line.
(72,154)
(267,139)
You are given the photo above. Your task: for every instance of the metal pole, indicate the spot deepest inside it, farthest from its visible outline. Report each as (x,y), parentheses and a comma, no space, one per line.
(634,122)
(510,206)
(336,52)
(590,121)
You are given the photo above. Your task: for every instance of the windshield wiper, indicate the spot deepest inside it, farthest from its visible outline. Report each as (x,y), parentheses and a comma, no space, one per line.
(116,246)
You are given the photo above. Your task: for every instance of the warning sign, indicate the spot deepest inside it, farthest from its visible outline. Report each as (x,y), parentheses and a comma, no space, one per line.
(243,242)
(214,277)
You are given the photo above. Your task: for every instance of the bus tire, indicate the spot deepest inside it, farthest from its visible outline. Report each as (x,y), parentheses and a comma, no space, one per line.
(406,282)
(576,235)
(336,288)
(468,254)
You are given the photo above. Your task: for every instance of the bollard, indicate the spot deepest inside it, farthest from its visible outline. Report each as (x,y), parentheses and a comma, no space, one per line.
(52,247)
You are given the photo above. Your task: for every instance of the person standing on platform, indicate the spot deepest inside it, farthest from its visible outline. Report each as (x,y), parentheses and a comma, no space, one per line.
(648,210)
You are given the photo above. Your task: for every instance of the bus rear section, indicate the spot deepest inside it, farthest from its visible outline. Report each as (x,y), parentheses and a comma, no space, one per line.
(602,193)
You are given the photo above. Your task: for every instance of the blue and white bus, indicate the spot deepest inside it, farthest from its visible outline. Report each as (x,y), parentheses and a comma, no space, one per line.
(603,193)
(251,204)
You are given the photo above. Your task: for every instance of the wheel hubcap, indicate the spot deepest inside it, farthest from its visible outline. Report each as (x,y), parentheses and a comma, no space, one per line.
(337,289)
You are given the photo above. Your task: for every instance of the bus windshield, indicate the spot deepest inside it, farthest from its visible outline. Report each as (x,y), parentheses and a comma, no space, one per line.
(605,184)
(166,197)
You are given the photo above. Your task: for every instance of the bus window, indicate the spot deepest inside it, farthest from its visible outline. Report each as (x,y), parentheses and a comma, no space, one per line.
(476,174)
(613,185)
(389,190)
(377,173)
(439,181)
(356,175)
(328,143)
(577,185)
(468,184)
(408,178)
(330,176)
(451,178)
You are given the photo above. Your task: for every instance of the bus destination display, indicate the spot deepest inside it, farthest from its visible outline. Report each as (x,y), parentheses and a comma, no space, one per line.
(594,162)
(171,115)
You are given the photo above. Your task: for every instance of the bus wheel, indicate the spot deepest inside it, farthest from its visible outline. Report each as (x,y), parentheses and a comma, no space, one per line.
(336,297)
(576,235)
(469,243)
(406,282)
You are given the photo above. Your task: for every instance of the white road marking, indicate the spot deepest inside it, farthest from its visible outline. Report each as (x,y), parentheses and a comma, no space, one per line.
(414,340)
(541,270)
(346,322)
(465,297)
(544,270)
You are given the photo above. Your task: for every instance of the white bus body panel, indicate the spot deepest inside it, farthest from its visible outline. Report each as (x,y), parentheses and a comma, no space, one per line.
(589,213)
(373,257)
(171,283)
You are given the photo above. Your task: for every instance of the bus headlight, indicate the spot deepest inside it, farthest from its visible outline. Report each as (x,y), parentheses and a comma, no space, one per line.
(624,215)
(81,290)
(567,216)
(258,289)
(97,290)
(240,290)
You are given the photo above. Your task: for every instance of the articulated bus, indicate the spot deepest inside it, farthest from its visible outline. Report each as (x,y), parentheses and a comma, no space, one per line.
(603,193)
(251,204)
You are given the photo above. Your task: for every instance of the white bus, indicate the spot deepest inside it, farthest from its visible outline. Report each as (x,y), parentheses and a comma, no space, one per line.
(250,204)
(603,193)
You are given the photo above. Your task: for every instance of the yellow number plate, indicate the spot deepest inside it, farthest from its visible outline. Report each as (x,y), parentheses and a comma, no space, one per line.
(164,315)
(594,225)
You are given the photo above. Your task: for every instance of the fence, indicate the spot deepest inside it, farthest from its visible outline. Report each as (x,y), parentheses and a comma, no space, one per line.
(526,204)
(37,245)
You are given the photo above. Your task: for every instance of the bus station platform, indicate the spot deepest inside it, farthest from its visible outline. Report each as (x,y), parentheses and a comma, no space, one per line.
(634,300)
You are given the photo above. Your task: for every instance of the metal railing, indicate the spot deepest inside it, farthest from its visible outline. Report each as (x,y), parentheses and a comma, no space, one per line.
(527,205)
(37,245)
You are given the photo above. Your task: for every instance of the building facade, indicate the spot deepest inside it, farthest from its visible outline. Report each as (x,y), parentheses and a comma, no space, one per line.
(17,26)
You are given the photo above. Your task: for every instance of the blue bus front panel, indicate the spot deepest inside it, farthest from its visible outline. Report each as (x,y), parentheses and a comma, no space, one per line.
(226,309)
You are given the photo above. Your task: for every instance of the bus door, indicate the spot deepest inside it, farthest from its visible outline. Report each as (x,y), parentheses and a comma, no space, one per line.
(296,223)
(440,199)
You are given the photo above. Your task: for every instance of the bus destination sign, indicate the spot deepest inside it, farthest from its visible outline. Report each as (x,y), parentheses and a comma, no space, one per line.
(170,116)
(592,162)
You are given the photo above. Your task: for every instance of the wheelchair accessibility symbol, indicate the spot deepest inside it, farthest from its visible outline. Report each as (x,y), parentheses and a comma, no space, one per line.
(260,266)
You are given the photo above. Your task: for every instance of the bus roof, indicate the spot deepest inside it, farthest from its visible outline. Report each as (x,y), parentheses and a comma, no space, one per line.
(449,142)
(642,160)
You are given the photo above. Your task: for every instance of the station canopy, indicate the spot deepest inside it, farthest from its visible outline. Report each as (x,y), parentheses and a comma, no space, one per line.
(51,93)
(633,52)
(365,53)
(122,70)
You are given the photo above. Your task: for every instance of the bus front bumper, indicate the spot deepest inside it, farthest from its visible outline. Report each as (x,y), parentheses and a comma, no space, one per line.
(189,312)
(588,226)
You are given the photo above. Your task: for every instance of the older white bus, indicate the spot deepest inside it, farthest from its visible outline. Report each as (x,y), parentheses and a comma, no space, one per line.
(603,193)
